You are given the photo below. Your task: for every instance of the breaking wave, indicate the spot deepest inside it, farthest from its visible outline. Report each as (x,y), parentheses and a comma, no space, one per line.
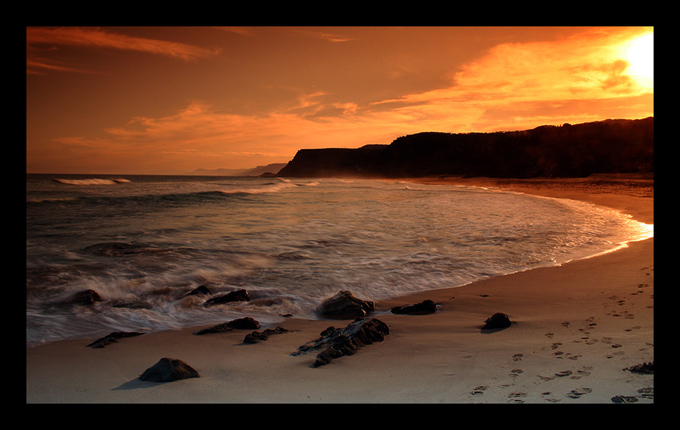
(92,181)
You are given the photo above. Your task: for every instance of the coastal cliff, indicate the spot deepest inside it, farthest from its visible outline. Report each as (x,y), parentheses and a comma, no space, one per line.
(609,146)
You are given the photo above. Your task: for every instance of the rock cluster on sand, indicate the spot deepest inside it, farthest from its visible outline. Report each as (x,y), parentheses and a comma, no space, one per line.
(337,342)
(258,336)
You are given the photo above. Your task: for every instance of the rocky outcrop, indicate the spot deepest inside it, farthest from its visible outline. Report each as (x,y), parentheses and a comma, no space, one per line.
(241,323)
(422,308)
(623,146)
(338,342)
(168,370)
(113,337)
(345,305)
(328,162)
(232,296)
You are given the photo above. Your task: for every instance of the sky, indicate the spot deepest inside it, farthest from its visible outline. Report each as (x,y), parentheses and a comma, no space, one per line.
(170,100)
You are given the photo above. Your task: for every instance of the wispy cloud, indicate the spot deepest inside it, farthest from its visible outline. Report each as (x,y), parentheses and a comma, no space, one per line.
(42,42)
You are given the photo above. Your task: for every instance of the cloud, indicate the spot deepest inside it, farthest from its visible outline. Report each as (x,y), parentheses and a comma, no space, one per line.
(514,78)
(41,42)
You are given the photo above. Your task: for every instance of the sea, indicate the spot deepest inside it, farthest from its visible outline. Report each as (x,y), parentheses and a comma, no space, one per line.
(143,243)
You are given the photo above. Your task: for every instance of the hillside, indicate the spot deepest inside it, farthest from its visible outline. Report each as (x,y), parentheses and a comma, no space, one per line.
(609,146)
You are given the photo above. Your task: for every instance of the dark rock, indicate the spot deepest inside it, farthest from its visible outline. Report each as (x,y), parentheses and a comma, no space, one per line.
(113,337)
(85,298)
(424,307)
(168,370)
(256,336)
(232,296)
(200,291)
(345,305)
(497,320)
(644,368)
(336,342)
(241,323)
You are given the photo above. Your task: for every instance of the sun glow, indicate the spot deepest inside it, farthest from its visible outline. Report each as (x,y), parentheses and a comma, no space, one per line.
(639,53)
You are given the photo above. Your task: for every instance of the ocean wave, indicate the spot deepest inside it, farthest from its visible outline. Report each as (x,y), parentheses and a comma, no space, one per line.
(144,247)
(92,181)
(267,188)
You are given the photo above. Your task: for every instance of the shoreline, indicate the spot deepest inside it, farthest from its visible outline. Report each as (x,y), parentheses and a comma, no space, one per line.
(575,328)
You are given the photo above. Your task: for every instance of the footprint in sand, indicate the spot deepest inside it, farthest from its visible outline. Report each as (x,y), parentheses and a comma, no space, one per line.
(585,371)
(517,357)
(478,390)
(578,392)
(547,396)
(646,392)
(564,373)
(516,397)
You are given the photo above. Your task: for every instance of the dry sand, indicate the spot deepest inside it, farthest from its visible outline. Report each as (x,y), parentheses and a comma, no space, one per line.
(575,328)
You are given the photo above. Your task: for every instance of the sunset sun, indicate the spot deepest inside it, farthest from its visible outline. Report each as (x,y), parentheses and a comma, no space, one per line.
(639,53)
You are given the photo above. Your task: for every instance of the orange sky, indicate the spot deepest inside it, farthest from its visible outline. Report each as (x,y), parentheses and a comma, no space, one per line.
(162,100)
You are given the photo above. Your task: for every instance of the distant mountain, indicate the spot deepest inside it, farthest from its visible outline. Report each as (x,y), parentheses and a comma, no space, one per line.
(268,169)
(609,146)
(217,172)
(257,171)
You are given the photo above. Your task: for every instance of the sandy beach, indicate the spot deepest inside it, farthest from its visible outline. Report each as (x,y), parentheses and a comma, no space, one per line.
(575,328)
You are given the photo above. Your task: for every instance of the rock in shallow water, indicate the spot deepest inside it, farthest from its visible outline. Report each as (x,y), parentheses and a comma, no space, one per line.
(232,296)
(85,298)
(168,370)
